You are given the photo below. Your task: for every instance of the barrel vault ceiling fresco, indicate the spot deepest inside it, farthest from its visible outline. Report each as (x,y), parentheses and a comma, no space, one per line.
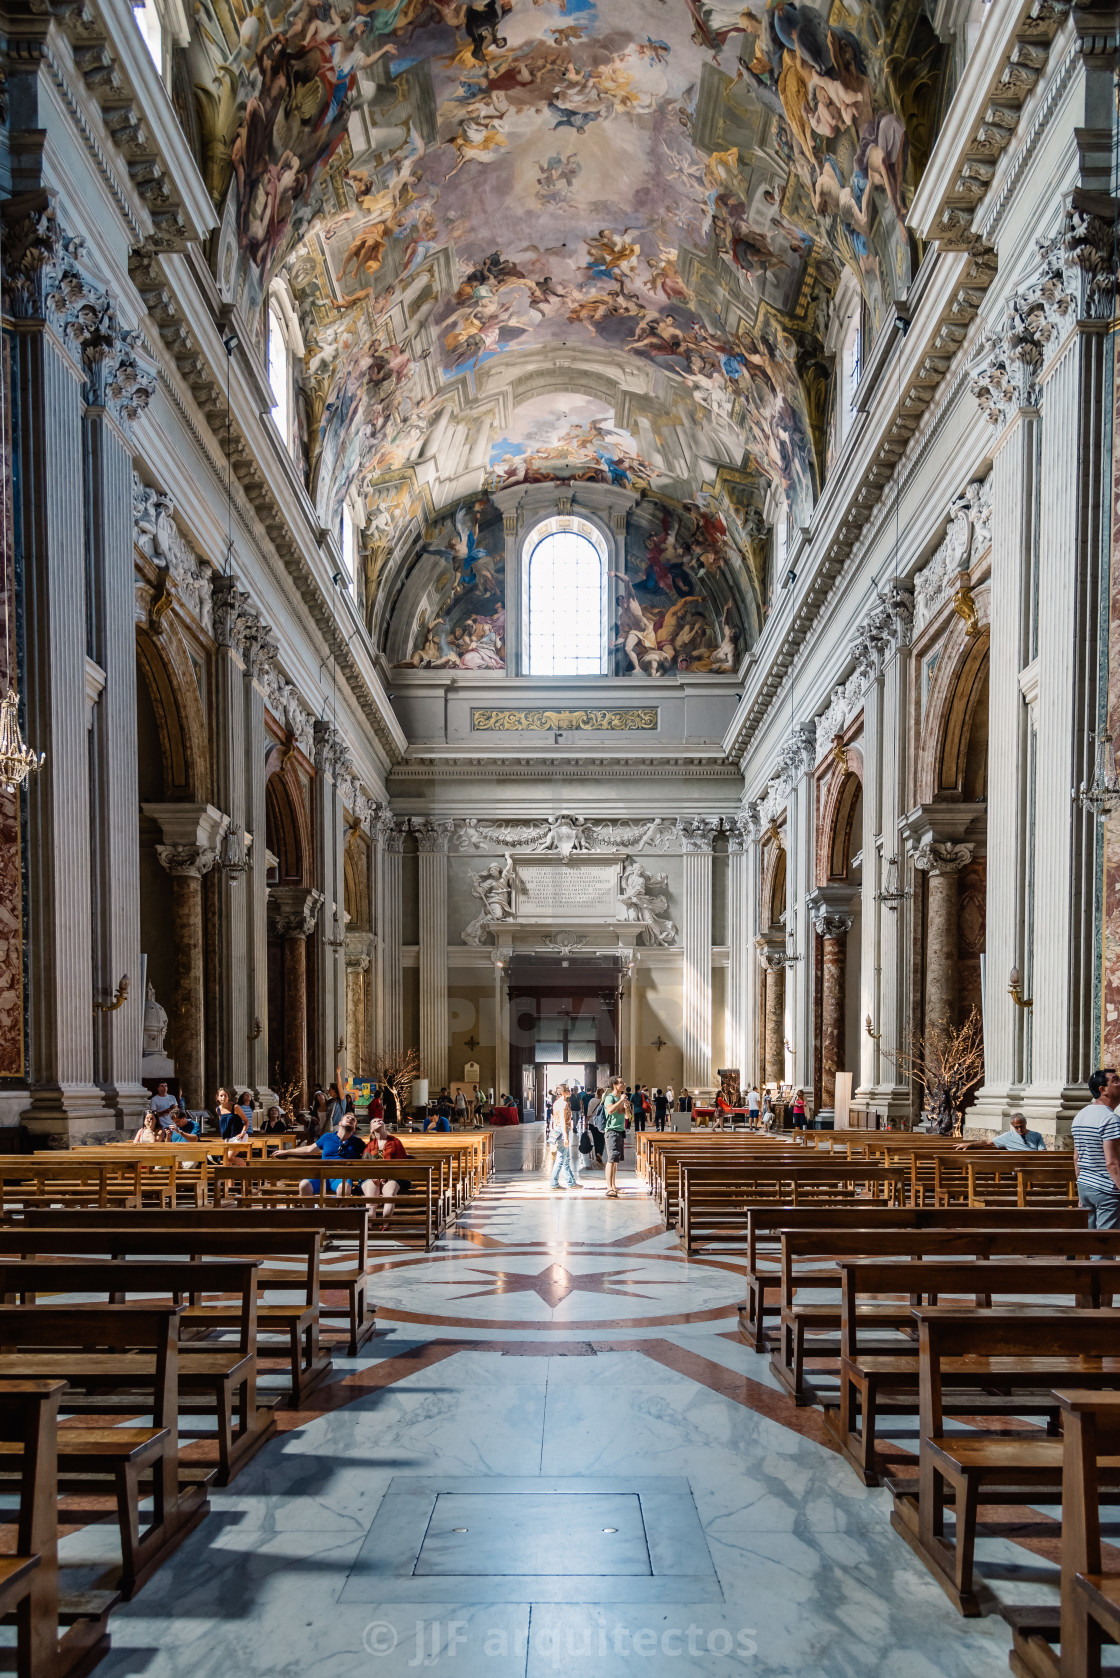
(534,239)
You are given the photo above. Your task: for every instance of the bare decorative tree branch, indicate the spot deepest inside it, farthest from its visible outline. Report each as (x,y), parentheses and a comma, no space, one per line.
(948,1063)
(394,1070)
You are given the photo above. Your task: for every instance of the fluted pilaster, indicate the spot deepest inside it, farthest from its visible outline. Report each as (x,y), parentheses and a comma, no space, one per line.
(114,789)
(389,835)
(48,422)
(1014,543)
(696,950)
(1069,594)
(741,963)
(432,840)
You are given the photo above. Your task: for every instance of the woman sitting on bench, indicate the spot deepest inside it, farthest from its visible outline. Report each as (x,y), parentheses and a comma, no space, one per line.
(382,1145)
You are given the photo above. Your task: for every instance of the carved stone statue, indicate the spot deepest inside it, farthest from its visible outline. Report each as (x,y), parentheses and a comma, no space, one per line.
(494,890)
(155,1064)
(644,901)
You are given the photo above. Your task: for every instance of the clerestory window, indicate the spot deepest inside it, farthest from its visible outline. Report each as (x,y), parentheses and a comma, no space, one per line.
(565,593)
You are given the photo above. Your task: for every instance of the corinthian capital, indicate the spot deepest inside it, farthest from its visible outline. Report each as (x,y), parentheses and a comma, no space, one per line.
(696,833)
(32,247)
(187,862)
(432,836)
(293,910)
(935,856)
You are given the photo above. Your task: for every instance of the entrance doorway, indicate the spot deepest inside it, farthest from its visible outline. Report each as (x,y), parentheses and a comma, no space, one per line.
(563,1022)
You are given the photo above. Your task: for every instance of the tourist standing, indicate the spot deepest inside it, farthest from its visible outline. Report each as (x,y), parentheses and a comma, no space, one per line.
(460,1107)
(616,1109)
(684,1102)
(561,1139)
(754,1105)
(1096,1150)
(162,1104)
(660,1109)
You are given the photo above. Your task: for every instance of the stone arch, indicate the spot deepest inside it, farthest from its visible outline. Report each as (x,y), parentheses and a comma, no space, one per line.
(838,835)
(288,824)
(955,715)
(171,683)
(356,881)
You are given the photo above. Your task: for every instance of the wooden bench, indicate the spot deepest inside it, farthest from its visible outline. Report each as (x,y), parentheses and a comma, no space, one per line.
(419,1213)
(715,1205)
(295,1325)
(213,1378)
(340,1223)
(29,1584)
(1089,1615)
(1018,1355)
(43,1340)
(873,1384)
(767,1224)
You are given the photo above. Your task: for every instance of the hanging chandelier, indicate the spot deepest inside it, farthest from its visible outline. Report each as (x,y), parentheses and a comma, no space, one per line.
(893,892)
(16,760)
(1102,795)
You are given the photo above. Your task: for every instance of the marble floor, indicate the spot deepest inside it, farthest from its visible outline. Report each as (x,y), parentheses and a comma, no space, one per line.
(556,1457)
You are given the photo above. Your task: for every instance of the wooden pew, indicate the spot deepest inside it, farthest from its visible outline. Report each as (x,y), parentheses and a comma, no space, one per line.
(766,1225)
(1089,1616)
(210,1377)
(1022,1355)
(29,1586)
(296,1326)
(872,1383)
(417,1214)
(715,1204)
(343,1222)
(42,1341)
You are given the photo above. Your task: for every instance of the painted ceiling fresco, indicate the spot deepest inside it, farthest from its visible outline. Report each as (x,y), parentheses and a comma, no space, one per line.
(527,238)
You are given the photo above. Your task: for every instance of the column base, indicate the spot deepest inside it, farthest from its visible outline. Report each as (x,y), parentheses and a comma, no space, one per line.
(64,1115)
(891,1099)
(129,1102)
(992,1108)
(1051,1107)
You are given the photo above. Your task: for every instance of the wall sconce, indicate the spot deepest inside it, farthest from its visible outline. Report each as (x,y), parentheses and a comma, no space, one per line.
(874,1035)
(1015,993)
(119,999)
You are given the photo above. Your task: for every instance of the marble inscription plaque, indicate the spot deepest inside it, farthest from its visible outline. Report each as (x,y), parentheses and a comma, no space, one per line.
(586,891)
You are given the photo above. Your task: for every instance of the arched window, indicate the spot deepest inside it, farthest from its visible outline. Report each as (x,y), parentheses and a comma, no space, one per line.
(565,591)
(150,25)
(280,375)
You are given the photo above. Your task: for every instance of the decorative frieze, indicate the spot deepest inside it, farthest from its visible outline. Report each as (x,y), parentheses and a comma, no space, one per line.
(158,536)
(1073,283)
(602,720)
(969,534)
(887,626)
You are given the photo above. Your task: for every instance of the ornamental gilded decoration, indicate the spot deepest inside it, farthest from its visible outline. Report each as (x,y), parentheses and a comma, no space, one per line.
(524,722)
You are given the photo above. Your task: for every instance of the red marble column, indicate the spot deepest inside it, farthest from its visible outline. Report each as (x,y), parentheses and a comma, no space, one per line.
(834,970)
(295,1012)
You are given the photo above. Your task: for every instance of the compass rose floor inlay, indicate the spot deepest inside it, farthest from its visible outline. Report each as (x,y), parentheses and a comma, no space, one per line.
(556,1455)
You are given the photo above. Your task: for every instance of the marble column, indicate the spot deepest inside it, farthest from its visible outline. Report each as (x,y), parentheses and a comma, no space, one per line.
(774,1058)
(884,974)
(237,1004)
(295,913)
(1069,596)
(741,931)
(192,834)
(829,907)
(696,949)
(328,938)
(260,657)
(48,382)
(800,847)
(113,760)
(941,862)
(389,834)
(1015,507)
(432,839)
(359,952)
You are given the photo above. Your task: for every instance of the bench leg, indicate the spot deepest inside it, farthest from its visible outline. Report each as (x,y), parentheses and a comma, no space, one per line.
(964,1547)
(223,1410)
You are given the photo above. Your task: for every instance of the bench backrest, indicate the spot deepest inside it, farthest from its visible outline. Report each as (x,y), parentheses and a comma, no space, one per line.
(765,1224)
(948,1332)
(121,1241)
(1087,1283)
(350,1222)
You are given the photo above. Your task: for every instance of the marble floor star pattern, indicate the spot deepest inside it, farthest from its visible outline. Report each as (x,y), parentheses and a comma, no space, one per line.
(557,1456)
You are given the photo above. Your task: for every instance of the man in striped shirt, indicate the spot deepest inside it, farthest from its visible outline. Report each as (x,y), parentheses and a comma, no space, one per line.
(1096,1150)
